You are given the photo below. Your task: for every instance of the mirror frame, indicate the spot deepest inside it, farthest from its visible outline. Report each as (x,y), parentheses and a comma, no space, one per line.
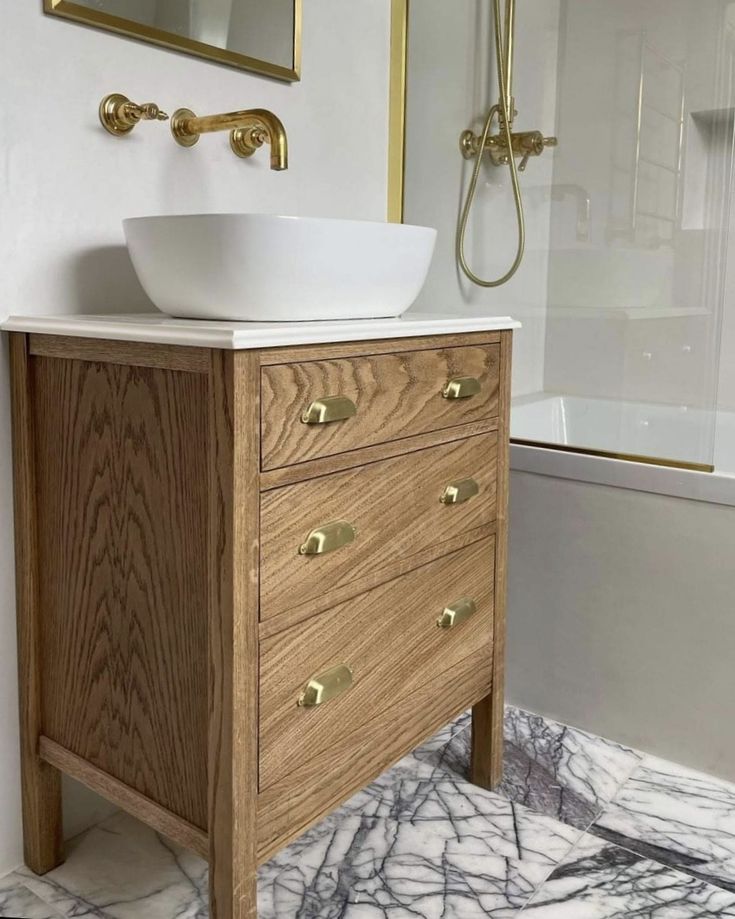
(67,9)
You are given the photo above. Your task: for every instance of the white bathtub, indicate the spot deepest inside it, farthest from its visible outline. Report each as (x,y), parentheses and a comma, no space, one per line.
(636,428)
(622,581)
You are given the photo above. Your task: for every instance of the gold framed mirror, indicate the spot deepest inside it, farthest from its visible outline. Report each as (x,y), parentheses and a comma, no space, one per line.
(263,36)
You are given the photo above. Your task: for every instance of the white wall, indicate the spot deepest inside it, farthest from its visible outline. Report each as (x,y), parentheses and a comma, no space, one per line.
(65,185)
(451,85)
(620,616)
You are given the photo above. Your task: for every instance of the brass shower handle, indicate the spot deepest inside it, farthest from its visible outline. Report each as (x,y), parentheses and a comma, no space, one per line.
(531,143)
(525,145)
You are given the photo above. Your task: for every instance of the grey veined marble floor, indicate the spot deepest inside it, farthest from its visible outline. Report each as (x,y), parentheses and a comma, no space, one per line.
(581,828)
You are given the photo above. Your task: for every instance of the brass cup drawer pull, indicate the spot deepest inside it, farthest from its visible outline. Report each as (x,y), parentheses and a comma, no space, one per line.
(328,537)
(461,388)
(325,686)
(459,492)
(329,408)
(457,613)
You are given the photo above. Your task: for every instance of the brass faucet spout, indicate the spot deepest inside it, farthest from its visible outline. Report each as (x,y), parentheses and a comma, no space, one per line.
(249,130)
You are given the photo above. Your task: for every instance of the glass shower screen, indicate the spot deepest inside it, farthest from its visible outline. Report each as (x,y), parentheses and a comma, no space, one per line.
(623,290)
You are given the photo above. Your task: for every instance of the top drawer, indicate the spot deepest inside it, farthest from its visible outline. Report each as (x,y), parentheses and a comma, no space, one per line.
(394,396)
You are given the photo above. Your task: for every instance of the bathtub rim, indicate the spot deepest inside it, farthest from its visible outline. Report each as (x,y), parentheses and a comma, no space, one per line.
(562,462)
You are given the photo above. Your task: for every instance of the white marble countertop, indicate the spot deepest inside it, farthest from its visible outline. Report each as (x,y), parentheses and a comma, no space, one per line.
(161,329)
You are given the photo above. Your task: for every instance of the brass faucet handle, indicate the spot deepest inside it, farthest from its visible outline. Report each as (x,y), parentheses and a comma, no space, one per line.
(148,111)
(118,115)
(245,141)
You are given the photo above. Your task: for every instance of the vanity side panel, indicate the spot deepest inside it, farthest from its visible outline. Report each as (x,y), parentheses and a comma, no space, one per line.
(40,782)
(122,517)
(486,764)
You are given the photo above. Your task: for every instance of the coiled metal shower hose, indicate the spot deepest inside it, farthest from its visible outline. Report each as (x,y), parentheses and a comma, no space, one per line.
(501,109)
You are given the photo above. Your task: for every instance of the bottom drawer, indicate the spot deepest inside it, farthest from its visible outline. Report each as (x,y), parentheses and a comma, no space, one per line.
(390,640)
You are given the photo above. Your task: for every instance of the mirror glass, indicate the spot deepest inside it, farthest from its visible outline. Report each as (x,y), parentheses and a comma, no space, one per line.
(260,35)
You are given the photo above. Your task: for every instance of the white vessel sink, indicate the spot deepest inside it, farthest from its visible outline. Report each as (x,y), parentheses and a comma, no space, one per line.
(263,268)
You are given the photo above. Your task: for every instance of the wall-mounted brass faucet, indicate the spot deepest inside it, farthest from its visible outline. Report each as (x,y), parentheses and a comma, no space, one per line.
(119,115)
(249,130)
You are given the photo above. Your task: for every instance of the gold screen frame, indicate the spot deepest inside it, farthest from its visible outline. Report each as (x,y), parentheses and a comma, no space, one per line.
(66,9)
(397,109)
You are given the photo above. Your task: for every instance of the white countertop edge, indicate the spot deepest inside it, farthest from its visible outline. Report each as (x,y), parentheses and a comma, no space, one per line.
(160,329)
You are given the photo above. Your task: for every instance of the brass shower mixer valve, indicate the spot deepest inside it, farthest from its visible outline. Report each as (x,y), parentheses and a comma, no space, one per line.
(525,145)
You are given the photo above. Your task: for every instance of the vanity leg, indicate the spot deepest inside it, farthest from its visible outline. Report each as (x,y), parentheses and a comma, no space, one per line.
(233,633)
(40,783)
(481,759)
(486,761)
(42,819)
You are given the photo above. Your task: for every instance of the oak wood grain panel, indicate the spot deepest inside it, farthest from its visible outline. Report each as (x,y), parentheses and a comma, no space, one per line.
(129,353)
(393,504)
(40,783)
(324,465)
(122,486)
(233,633)
(290,807)
(302,611)
(397,395)
(486,765)
(129,800)
(390,639)
(319,352)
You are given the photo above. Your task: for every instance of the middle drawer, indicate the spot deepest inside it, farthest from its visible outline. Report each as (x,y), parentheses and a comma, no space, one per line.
(338,532)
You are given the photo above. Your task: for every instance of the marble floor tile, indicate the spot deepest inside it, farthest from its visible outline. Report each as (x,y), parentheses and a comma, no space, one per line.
(450,747)
(428,844)
(551,768)
(120,869)
(420,842)
(678,817)
(17,901)
(599,880)
(423,843)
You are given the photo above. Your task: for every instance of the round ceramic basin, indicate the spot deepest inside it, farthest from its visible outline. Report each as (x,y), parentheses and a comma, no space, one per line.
(263,268)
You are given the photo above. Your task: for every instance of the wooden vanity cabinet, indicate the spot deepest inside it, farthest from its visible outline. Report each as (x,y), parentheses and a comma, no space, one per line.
(234,612)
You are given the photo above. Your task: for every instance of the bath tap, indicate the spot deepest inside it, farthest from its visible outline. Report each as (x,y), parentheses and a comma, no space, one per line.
(525,145)
(249,130)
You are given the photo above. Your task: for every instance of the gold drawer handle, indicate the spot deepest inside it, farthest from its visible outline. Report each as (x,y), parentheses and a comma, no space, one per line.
(329,408)
(457,613)
(461,388)
(328,537)
(325,686)
(459,492)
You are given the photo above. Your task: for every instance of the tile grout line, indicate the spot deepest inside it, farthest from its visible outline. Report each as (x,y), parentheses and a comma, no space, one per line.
(573,848)
(42,899)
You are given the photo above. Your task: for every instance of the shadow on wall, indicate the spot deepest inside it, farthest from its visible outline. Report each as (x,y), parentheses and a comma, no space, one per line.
(105,282)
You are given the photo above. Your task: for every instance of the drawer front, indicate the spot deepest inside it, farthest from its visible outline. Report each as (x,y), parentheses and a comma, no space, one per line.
(393,395)
(288,808)
(395,508)
(390,640)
